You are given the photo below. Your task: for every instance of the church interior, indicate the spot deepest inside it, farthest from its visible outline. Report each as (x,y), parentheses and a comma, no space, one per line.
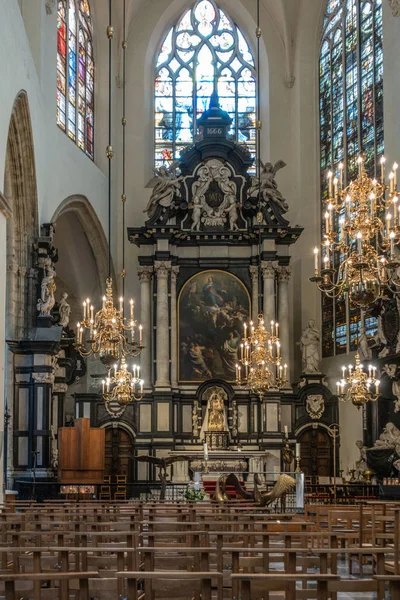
(200,309)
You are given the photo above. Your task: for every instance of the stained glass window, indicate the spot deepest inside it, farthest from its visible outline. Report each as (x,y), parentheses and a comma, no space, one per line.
(75,73)
(204,51)
(351,122)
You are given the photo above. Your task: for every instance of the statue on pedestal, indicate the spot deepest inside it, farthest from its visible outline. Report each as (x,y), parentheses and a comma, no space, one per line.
(64,310)
(309,346)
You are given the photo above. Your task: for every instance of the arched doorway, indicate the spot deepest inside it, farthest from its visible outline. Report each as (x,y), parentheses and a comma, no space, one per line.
(316,452)
(118,452)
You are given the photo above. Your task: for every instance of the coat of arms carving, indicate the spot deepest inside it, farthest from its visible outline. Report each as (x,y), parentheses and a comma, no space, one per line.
(315,406)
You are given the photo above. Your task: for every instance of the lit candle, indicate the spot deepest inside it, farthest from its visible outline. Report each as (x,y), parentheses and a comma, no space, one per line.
(103,386)
(395,211)
(205,449)
(297,450)
(343,371)
(327,222)
(272,328)
(104,301)
(391,177)
(131,305)
(84,310)
(80,335)
(348,205)
(330,175)
(392,244)
(121,305)
(372,205)
(335,186)
(360,161)
(383,160)
(278,349)
(369,371)
(285,372)
(377,384)
(338,387)
(140,334)
(316,260)
(92,312)
(341,175)
(276,329)
(245,329)
(395,167)
(286,432)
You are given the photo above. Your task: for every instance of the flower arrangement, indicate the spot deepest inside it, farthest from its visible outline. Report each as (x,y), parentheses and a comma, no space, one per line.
(192,494)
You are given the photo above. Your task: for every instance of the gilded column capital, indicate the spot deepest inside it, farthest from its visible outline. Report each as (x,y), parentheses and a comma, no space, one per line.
(269,268)
(162,268)
(145,273)
(284,273)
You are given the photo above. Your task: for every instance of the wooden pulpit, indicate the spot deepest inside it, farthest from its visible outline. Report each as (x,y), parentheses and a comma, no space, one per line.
(81,453)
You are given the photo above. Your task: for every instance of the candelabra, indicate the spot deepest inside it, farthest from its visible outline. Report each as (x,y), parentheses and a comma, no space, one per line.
(122,387)
(111,335)
(260,355)
(358,386)
(361,234)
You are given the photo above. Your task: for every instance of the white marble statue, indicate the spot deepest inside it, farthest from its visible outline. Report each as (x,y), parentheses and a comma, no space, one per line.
(196,214)
(361,463)
(47,300)
(268,186)
(233,214)
(309,346)
(167,187)
(64,310)
(389,438)
(364,350)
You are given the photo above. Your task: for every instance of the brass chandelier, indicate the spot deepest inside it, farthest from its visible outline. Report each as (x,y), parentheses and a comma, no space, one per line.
(358,386)
(361,234)
(110,335)
(260,363)
(260,357)
(121,387)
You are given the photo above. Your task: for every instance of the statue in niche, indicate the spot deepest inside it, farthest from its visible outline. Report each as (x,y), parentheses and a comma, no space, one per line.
(196,214)
(233,214)
(215,418)
(268,186)
(64,310)
(47,300)
(216,421)
(309,346)
(166,189)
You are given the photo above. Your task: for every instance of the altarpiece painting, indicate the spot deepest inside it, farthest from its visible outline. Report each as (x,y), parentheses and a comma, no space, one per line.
(213,305)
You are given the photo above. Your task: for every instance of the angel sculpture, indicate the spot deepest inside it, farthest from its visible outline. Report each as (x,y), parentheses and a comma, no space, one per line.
(268,186)
(162,464)
(166,189)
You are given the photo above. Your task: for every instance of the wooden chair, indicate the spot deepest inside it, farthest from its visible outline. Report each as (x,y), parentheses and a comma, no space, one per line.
(168,585)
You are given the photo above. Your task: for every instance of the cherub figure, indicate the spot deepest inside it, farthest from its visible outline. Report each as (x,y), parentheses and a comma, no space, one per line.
(196,214)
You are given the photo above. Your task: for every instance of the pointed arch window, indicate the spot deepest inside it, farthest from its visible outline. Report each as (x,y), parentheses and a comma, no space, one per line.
(351,122)
(203,51)
(75,73)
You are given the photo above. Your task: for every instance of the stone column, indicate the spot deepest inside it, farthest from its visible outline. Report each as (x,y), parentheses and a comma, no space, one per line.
(174,329)
(162,332)
(145,274)
(268,271)
(254,293)
(283,313)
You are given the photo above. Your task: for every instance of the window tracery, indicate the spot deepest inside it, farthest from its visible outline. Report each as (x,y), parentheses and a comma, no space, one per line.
(204,51)
(75,73)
